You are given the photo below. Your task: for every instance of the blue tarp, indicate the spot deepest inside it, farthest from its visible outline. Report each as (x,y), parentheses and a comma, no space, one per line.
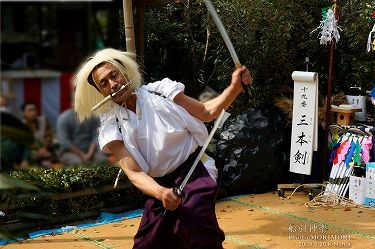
(104,218)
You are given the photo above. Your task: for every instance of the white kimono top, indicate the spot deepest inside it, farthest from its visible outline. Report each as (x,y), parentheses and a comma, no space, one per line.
(161,134)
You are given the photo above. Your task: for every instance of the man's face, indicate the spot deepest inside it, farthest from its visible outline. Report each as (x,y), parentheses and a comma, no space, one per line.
(109,80)
(30,113)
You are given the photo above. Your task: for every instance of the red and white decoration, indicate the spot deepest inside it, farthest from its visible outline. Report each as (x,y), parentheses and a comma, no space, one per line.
(50,90)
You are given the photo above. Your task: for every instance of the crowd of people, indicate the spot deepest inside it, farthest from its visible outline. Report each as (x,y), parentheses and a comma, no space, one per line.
(69,144)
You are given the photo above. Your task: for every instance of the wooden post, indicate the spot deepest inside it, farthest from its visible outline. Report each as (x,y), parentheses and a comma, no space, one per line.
(129,26)
(329,95)
(328,111)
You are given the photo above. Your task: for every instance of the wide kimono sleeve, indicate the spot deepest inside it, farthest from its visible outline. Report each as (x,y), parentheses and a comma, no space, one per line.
(111,130)
(108,131)
(166,87)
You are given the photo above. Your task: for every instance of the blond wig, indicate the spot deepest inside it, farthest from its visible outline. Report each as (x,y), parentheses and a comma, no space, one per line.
(86,95)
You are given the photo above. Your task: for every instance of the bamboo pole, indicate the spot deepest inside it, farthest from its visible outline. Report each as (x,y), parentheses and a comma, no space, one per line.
(328,110)
(141,30)
(129,26)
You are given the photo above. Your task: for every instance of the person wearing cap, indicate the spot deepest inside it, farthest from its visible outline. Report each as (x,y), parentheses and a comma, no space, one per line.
(155,132)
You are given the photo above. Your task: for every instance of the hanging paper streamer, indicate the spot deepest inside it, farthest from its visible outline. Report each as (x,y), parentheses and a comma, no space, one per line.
(329,28)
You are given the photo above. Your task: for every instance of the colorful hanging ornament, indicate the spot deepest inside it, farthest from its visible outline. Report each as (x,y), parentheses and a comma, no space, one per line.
(370,43)
(357,153)
(366,146)
(328,25)
(370,40)
(372,95)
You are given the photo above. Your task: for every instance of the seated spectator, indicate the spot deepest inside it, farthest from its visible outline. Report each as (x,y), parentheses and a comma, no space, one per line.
(4,103)
(42,151)
(15,141)
(78,141)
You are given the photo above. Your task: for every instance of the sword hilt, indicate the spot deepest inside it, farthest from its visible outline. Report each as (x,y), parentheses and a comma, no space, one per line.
(246,88)
(178,193)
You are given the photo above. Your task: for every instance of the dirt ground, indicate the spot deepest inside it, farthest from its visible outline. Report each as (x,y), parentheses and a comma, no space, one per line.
(252,221)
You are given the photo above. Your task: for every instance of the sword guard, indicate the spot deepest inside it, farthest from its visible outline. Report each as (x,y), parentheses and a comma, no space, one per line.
(177,192)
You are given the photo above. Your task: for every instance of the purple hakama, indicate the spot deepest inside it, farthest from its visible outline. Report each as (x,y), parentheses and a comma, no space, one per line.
(193,224)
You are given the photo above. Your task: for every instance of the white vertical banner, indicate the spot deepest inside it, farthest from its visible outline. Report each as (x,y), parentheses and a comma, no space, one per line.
(304,125)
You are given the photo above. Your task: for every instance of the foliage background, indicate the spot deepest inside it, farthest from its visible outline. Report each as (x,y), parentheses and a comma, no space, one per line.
(272,38)
(40,205)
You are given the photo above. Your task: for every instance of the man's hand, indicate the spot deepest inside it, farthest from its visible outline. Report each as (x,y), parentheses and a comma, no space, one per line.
(246,76)
(241,74)
(170,200)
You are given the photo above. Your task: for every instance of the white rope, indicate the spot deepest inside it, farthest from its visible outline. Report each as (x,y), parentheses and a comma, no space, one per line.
(328,198)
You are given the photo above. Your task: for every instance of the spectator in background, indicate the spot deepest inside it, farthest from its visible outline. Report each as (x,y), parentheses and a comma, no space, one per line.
(4,103)
(207,95)
(78,141)
(15,139)
(42,151)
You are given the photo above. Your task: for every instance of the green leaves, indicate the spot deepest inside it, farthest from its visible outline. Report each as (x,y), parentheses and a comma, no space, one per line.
(7,183)
(68,179)
(64,191)
(272,38)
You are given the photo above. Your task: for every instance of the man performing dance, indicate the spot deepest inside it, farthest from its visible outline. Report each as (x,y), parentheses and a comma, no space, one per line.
(155,132)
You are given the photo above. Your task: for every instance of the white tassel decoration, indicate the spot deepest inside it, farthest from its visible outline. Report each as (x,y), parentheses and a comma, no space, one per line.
(329,28)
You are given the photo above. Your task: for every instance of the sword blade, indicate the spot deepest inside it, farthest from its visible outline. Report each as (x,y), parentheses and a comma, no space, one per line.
(227,41)
(223,32)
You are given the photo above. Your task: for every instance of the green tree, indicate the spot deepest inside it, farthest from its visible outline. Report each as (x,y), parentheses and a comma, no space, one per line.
(271,37)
